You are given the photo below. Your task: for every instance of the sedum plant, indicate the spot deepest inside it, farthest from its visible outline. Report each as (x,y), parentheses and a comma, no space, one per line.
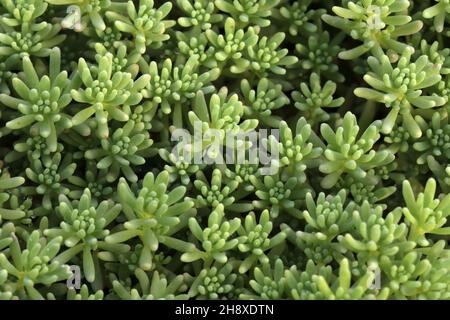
(435,139)
(376,23)
(267,283)
(50,176)
(425,214)
(231,46)
(266,56)
(105,92)
(213,282)
(300,284)
(319,54)
(346,153)
(437,13)
(6,183)
(374,235)
(145,23)
(300,17)
(263,101)
(155,288)
(215,239)
(83,230)
(33,266)
(42,100)
(248,11)
(153,216)
(174,86)
(279,195)
(226,149)
(255,237)
(328,216)
(200,14)
(313,97)
(29,38)
(116,153)
(212,194)
(342,288)
(88,13)
(216,123)
(295,149)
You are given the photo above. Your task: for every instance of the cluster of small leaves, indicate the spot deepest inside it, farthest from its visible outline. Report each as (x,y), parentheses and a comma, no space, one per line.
(115,157)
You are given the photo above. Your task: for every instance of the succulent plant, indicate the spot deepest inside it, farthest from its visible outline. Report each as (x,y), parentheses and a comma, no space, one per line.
(248,11)
(33,265)
(437,13)
(83,230)
(153,216)
(41,100)
(105,92)
(401,88)
(313,97)
(116,153)
(347,153)
(145,23)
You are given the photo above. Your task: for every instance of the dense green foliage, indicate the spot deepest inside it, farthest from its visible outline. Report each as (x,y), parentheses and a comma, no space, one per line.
(356,203)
